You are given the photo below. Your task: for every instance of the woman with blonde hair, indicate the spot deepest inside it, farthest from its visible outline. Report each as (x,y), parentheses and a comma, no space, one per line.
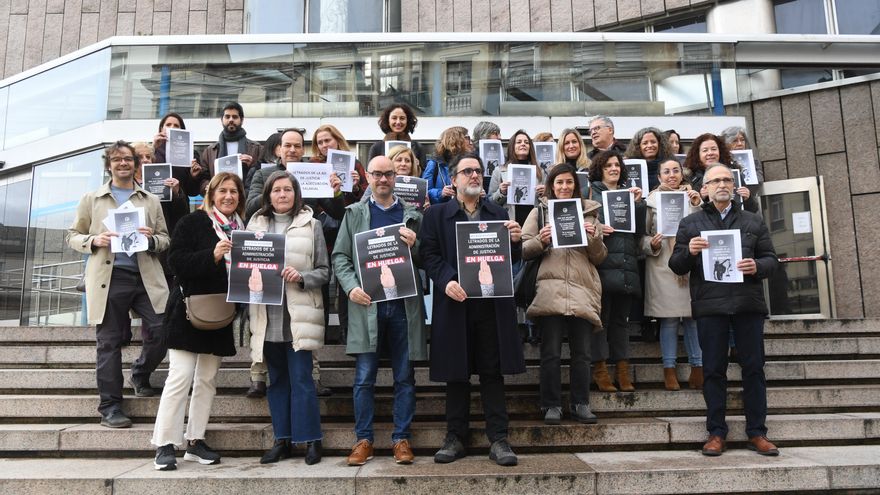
(328,137)
(571,150)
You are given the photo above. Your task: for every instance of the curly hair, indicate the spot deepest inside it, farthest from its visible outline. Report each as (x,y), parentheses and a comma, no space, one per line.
(600,163)
(692,162)
(115,147)
(451,143)
(634,150)
(385,118)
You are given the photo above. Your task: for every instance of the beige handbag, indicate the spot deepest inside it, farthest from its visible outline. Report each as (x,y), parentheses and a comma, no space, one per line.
(209,311)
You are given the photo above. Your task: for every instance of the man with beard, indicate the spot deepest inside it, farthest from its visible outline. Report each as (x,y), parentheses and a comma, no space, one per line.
(232,141)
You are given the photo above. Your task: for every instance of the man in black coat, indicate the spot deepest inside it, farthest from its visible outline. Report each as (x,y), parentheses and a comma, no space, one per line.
(469,335)
(720,306)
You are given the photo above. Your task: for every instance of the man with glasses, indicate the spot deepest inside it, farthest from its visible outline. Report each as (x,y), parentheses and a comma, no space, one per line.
(602,136)
(468,336)
(718,307)
(117,282)
(398,322)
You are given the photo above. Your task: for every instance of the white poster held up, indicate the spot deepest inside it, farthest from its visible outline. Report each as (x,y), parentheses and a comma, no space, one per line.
(746,160)
(722,255)
(343,165)
(313,178)
(523,181)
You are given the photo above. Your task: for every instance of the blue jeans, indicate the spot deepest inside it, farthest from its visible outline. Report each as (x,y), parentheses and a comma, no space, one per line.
(392,324)
(669,341)
(714,334)
(293,401)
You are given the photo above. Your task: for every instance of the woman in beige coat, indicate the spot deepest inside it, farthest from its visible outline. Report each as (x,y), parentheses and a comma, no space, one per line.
(568,297)
(667,296)
(284,336)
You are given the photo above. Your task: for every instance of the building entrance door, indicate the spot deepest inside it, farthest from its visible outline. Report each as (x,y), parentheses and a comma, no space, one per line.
(794,211)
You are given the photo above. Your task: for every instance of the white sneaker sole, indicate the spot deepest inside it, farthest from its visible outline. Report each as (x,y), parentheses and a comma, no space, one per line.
(165,467)
(195,458)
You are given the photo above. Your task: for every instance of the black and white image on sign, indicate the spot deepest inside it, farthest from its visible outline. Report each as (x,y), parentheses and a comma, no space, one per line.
(384,264)
(255,273)
(179,147)
(413,190)
(523,180)
(544,152)
(722,255)
(391,144)
(154,180)
(671,208)
(619,209)
(313,178)
(484,264)
(126,223)
(746,160)
(343,165)
(491,154)
(636,173)
(584,182)
(567,223)
(231,164)
(737,181)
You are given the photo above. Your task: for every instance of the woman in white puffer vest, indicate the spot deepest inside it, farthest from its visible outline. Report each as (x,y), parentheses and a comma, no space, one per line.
(284,336)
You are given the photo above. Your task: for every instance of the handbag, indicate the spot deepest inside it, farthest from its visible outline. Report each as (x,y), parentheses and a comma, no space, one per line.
(525,283)
(208,311)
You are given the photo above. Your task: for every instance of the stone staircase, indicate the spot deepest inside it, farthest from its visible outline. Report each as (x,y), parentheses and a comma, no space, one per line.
(823,398)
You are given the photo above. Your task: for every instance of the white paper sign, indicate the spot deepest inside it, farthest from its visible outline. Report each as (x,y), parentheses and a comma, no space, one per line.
(671,207)
(636,173)
(722,255)
(567,223)
(492,155)
(179,147)
(801,222)
(313,178)
(343,165)
(231,164)
(746,160)
(391,144)
(544,152)
(523,180)
(620,210)
(125,221)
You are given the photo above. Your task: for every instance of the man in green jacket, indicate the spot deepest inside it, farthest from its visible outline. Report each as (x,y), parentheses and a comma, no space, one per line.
(399,321)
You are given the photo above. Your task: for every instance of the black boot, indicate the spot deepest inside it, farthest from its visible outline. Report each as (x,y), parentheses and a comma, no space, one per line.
(281,450)
(313,452)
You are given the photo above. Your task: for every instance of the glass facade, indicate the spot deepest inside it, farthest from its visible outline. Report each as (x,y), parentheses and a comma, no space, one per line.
(14,200)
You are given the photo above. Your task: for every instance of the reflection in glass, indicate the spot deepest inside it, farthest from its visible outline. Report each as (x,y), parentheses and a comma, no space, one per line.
(54,268)
(274,16)
(794,287)
(13,233)
(66,97)
(346,16)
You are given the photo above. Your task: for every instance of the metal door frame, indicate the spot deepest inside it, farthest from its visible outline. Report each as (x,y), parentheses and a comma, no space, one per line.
(815,187)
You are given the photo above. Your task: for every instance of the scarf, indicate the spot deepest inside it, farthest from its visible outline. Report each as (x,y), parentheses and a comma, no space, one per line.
(670,241)
(223,227)
(235,136)
(394,136)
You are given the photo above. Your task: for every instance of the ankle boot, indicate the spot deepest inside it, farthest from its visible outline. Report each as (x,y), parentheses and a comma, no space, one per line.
(623,380)
(601,377)
(313,452)
(670,380)
(280,450)
(695,381)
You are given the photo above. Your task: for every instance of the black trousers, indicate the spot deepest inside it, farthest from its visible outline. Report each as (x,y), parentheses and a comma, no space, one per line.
(126,292)
(714,332)
(612,343)
(485,361)
(579,332)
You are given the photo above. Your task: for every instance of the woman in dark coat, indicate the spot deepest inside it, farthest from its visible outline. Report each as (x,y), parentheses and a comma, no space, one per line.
(620,276)
(200,257)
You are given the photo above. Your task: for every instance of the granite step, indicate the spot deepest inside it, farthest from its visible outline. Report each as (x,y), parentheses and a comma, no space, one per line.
(64,378)
(797,469)
(520,404)
(526,435)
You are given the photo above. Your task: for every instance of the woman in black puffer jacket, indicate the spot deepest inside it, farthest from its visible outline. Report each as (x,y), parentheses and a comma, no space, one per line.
(620,276)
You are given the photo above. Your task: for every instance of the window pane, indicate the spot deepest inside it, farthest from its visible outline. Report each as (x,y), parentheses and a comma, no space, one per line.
(693,25)
(66,97)
(274,16)
(13,234)
(858,16)
(346,16)
(800,17)
(54,268)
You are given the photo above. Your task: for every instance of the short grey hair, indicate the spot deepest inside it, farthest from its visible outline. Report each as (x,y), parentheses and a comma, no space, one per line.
(605,120)
(484,129)
(732,132)
(716,165)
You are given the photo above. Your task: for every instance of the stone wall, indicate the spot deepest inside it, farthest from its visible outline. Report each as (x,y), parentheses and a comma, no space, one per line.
(533,15)
(37,31)
(834,133)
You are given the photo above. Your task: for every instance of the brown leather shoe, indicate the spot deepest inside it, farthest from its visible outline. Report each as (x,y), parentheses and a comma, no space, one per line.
(762,446)
(360,453)
(602,378)
(623,381)
(403,453)
(670,380)
(714,446)
(695,381)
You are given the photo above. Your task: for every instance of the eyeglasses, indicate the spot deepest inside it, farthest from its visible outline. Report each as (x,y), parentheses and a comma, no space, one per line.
(722,180)
(378,175)
(119,159)
(469,171)
(597,128)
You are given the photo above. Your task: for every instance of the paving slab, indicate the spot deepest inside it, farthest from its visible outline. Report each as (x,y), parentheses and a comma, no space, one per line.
(782,427)
(27,437)
(852,467)
(79,476)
